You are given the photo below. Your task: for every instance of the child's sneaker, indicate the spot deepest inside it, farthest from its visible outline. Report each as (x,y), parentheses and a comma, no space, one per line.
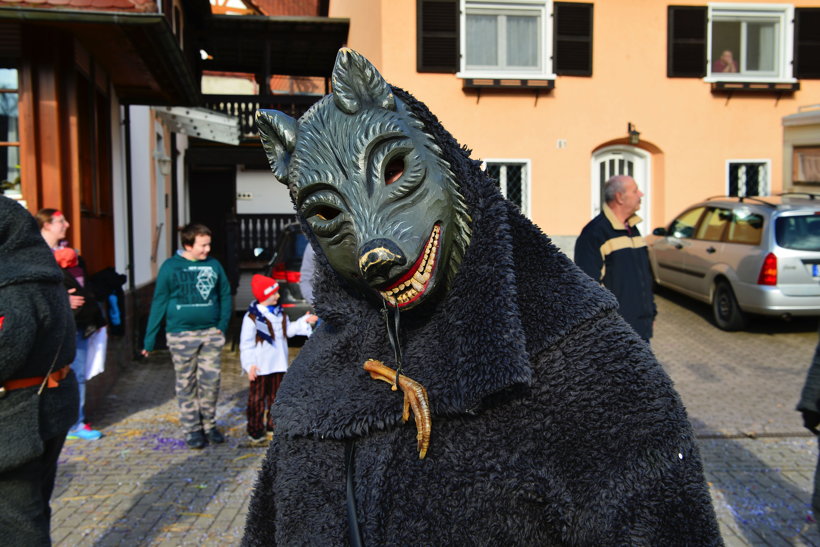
(85,433)
(258,441)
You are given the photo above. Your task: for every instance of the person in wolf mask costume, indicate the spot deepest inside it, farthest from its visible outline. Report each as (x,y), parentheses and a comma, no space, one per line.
(549,421)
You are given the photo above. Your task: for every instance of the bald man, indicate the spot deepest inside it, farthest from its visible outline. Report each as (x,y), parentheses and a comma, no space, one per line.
(612,251)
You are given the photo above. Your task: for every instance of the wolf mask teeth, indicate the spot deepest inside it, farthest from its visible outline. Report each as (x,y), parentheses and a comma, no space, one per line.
(372,186)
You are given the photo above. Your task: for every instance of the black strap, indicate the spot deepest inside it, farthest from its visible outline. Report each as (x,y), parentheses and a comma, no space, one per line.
(51,368)
(352,520)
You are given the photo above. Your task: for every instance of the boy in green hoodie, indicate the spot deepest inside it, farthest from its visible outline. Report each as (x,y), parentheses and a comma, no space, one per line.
(193,296)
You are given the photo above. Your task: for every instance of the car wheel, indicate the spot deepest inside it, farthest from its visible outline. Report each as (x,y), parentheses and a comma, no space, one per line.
(727,314)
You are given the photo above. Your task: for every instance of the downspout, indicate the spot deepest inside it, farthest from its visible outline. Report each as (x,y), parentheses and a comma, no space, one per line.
(136,344)
(174,195)
(129,198)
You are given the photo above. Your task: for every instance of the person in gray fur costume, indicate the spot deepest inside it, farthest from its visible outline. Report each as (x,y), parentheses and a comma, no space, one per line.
(37,338)
(539,416)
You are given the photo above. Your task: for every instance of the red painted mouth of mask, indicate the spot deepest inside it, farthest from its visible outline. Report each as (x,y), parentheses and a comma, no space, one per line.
(413,284)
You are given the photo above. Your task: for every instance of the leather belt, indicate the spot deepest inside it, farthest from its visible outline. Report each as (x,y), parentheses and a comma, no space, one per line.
(53,381)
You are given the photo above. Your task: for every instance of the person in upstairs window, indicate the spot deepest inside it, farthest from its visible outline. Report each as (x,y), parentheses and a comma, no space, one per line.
(726,63)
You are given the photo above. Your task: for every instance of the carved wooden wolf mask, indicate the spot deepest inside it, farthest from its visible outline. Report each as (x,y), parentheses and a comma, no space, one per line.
(372,186)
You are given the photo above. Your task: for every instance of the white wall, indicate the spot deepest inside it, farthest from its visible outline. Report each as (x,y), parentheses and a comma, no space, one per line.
(183,209)
(267,195)
(142,133)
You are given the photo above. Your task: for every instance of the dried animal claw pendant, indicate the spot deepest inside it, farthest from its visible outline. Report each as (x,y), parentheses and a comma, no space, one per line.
(415,397)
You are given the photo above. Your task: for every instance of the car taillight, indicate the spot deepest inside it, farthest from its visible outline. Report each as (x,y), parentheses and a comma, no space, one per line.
(278,271)
(768,272)
(280,274)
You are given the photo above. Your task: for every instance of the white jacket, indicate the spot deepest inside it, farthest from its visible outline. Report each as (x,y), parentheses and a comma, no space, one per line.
(268,358)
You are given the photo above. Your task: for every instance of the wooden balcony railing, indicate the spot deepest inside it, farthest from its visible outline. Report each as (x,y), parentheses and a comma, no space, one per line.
(260,231)
(244,107)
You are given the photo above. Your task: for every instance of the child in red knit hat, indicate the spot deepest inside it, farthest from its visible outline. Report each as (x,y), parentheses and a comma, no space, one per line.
(264,351)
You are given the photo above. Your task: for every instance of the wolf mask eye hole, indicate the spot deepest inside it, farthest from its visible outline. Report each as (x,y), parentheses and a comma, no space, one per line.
(326,212)
(394,170)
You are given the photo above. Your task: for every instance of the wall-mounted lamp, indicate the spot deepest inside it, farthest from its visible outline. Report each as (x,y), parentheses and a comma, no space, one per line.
(163,162)
(634,134)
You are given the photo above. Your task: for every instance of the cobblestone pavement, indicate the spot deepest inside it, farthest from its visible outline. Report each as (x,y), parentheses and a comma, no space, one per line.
(140,485)
(740,390)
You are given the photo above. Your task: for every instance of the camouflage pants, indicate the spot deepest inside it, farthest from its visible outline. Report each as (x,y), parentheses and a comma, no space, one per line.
(196,356)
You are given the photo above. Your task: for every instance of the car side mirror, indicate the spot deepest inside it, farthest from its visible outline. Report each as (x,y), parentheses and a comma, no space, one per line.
(659,232)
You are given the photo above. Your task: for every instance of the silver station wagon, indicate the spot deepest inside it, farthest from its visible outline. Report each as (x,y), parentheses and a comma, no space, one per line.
(749,255)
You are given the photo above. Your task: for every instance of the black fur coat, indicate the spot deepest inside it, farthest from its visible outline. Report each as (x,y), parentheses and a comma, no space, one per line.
(36,330)
(553,424)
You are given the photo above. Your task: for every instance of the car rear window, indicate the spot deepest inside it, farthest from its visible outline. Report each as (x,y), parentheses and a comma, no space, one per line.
(801,233)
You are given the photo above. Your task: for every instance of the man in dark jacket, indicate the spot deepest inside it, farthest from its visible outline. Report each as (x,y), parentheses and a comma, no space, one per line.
(809,407)
(612,251)
(541,418)
(38,391)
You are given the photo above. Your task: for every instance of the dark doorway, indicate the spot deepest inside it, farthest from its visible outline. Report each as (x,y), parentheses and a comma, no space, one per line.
(213,203)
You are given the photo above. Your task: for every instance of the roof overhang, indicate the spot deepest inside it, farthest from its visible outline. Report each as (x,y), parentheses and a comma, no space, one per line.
(138,51)
(808,115)
(296,46)
(201,122)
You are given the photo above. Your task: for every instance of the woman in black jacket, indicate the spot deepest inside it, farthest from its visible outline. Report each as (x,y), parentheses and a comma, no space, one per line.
(88,316)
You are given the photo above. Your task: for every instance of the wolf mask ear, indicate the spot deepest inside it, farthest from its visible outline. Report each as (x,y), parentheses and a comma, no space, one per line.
(278,134)
(357,83)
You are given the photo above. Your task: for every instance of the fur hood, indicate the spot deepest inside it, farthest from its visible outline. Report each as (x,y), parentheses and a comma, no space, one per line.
(24,254)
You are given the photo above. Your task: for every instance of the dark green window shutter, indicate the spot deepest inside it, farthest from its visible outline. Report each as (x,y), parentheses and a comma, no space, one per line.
(807,43)
(686,42)
(437,36)
(572,32)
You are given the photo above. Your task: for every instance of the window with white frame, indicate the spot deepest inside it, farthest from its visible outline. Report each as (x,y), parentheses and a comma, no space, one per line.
(750,42)
(9,134)
(513,178)
(506,39)
(748,177)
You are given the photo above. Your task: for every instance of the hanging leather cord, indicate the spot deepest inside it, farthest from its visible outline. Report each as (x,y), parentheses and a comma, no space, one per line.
(51,368)
(392,323)
(352,520)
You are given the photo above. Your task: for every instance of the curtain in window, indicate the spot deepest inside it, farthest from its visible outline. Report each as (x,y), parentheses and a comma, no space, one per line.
(761,46)
(522,41)
(808,167)
(482,40)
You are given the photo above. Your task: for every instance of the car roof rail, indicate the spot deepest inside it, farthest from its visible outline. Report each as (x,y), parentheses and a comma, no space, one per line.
(741,199)
(809,195)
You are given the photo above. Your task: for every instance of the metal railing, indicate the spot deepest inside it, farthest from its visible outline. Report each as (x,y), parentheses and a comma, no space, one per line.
(260,231)
(244,107)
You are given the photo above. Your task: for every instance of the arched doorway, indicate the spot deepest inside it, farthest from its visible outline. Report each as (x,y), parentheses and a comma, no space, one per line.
(622,160)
